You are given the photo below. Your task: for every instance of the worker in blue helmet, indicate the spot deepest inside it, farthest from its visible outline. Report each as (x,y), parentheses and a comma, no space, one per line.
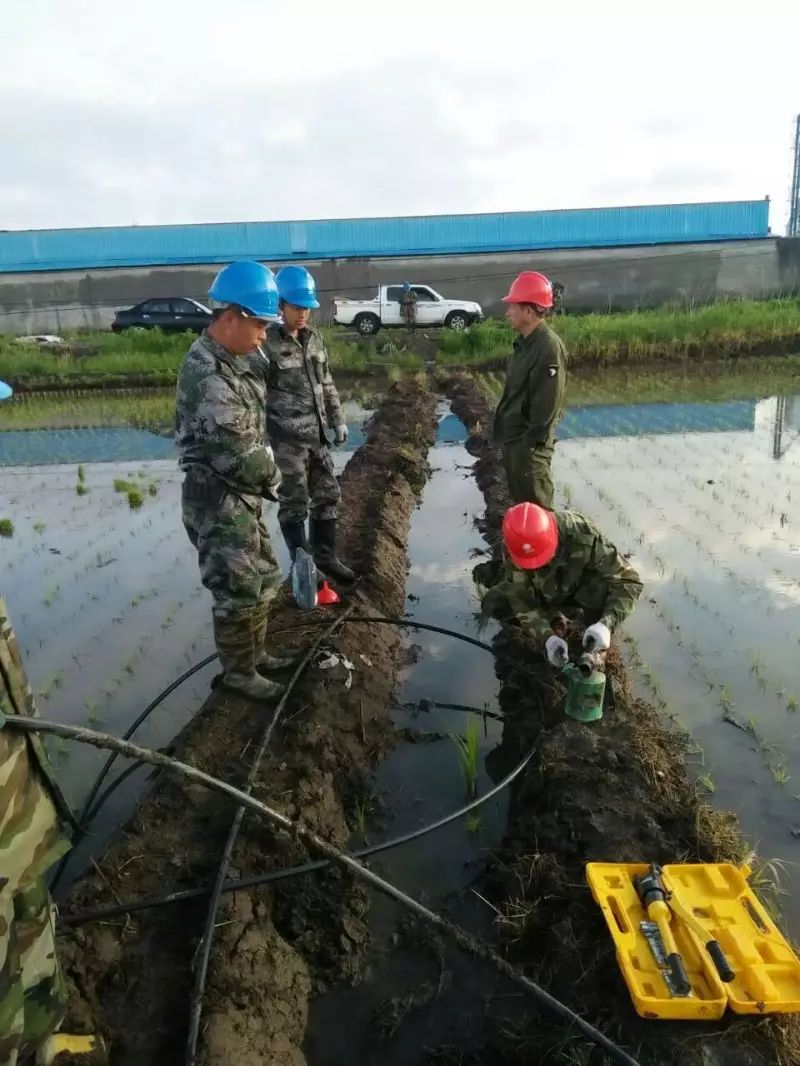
(229,468)
(302,405)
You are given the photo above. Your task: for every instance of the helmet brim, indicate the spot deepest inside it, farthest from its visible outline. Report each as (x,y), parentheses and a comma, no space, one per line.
(528,562)
(308,303)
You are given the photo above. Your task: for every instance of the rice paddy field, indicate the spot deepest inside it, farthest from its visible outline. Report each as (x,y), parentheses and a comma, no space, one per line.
(693,471)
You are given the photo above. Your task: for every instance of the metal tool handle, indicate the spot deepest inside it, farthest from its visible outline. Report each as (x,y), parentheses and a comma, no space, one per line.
(718,957)
(683,986)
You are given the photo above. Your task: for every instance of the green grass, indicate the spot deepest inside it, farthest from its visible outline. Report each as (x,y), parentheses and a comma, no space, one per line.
(155,355)
(96,354)
(758,377)
(467,748)
(725,327)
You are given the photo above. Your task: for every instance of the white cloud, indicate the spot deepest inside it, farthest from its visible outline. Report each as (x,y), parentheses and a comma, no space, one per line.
(192,111)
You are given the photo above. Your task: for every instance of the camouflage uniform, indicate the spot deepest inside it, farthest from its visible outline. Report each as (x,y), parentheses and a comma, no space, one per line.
(229,467)
(528,412)
(32,838)
(408,308)
(587,580)
(302,404)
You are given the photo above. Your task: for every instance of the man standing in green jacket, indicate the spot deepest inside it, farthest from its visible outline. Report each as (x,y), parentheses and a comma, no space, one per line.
(533,398)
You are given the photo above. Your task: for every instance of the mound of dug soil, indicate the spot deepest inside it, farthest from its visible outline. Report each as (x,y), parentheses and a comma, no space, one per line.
(615,791)
(132,979)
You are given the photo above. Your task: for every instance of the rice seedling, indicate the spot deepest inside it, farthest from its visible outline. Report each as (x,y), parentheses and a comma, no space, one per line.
(81,489)
(39,527)
(364,809)
(135,499)
(474,824)
(767,879)
(121,485)
(6,528)
(81,474)
(780,774)
(467,748)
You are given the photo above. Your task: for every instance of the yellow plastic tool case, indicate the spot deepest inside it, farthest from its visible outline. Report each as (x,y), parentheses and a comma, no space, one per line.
(767,971)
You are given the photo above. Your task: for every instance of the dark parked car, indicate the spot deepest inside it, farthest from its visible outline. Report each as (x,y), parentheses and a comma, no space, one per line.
(172,315)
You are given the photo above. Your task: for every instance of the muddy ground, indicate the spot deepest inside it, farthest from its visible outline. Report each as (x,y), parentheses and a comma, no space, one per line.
(616,791)
(132,978)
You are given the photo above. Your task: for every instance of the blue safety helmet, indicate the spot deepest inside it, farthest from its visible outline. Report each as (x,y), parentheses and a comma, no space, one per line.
(296,286)
(248,285)
(406,286)
(6,392)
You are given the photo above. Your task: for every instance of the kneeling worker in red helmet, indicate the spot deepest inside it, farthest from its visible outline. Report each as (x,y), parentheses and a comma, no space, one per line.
(533,397)
(560,563)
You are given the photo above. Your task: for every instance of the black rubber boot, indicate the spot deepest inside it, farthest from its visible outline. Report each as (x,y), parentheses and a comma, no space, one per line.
(323,547)
(294,533)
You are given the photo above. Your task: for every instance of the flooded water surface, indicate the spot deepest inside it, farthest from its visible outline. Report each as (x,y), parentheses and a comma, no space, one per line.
(703,494)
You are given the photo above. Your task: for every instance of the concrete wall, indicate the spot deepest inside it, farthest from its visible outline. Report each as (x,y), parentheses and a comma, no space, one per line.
(595,279)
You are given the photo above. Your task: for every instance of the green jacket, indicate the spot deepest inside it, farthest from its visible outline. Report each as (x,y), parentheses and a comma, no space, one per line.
(32,833)
(586,574)
(533,398)
(302,401)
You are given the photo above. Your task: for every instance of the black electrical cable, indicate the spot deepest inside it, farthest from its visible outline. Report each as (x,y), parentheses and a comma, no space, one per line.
(106,794)
(90,810)
(287,872)
(82,818)
(204,948)
(296,829)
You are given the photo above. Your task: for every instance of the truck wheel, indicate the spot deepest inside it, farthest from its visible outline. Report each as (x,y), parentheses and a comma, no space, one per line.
(457,320)
(367,325)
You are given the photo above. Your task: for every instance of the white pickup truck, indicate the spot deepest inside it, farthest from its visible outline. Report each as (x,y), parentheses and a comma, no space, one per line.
(367,316)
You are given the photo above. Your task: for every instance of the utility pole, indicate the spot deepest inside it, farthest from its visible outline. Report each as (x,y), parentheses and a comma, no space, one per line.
(793,229)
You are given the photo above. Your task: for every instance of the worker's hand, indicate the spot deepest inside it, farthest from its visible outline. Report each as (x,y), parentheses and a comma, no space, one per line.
(597,637)
(341,434)
(556,650)
(271,491)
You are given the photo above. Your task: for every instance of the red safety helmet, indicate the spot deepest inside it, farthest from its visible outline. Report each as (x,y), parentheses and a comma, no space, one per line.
(530,535)
(530,287)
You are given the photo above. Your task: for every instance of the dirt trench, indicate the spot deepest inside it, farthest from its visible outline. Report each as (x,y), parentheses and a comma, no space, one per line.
(616,791)
(274,948)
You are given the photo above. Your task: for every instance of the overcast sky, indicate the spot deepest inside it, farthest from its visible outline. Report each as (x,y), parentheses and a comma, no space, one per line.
(159,111)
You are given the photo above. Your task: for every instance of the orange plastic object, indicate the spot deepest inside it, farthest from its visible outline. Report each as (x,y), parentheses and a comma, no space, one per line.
(327,596)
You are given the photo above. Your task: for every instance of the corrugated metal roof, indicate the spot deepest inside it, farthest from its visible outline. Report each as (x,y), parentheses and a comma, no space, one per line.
(120,246)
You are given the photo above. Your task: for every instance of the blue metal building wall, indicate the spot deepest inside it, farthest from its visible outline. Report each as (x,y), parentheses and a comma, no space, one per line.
(36,250)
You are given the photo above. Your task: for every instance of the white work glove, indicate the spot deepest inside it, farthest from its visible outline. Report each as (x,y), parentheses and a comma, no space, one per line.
(556,650)
(341,434)
(597,637)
